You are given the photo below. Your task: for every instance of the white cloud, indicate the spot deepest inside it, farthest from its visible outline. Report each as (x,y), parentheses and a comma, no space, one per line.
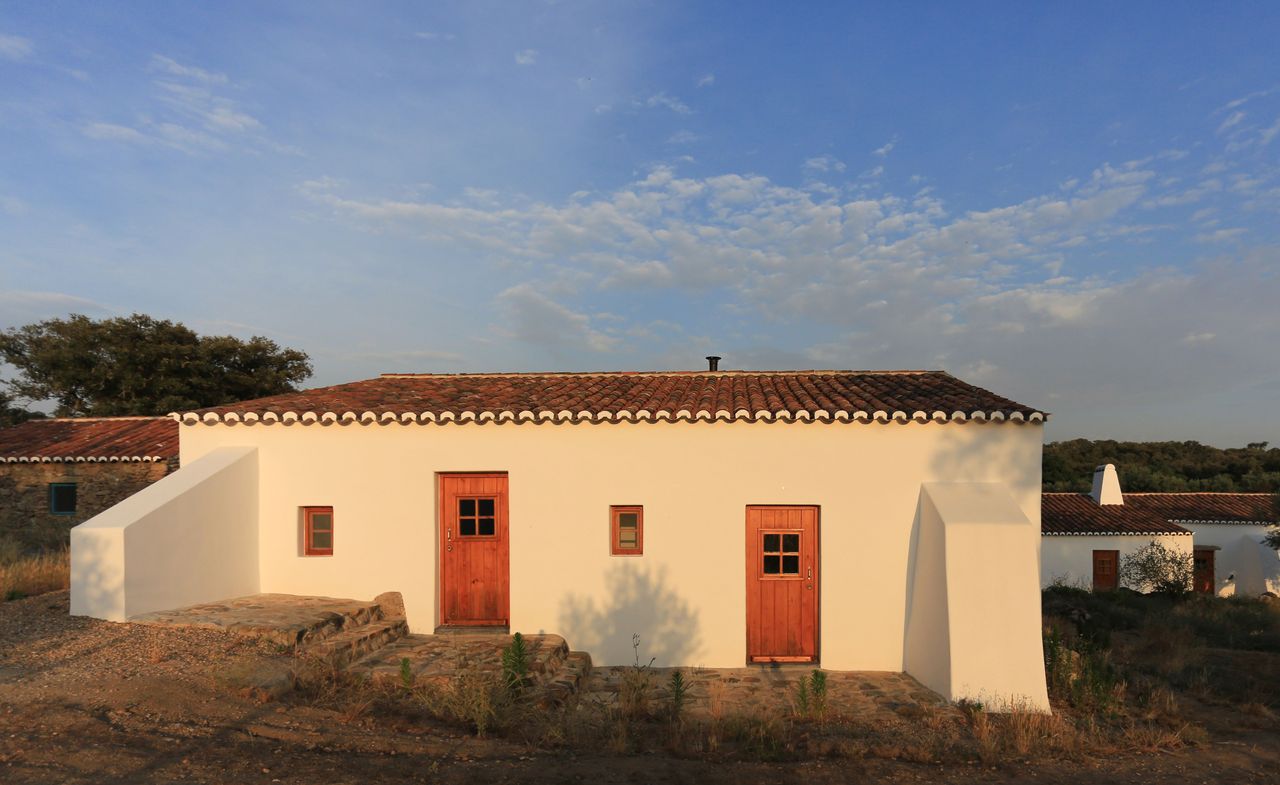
(534,318)
(527,57)
(172,67)
(1232,120)
(1220,235)
(886,148)
(661,100)
(14,47)
(434,36)
(683,136)
(706,80)
(189,111)
(823,163)
(116,133)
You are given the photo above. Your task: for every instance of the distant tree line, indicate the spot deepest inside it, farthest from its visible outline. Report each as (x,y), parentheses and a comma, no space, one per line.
(1163,466)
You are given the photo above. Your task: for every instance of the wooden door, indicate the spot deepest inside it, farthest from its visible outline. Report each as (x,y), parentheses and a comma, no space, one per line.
(1204,580)
(782,584)
(475,555)
(1106,570)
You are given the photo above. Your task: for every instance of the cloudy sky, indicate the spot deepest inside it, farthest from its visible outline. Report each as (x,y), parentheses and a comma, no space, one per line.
(1076,206)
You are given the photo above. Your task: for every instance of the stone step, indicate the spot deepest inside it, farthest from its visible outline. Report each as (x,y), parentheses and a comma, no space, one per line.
(355,642)
(567,680)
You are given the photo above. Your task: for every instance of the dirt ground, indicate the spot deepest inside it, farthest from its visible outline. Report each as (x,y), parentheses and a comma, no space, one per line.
(85,701)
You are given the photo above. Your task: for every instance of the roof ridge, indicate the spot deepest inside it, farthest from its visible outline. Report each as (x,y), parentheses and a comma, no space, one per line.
(1199,493)
(516,374)
(123,417)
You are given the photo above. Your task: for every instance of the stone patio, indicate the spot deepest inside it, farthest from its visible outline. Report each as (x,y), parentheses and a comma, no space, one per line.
(371,638)
(712,692)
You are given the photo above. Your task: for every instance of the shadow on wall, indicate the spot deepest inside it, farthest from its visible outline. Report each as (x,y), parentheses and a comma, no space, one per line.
(638,601)
(967,461)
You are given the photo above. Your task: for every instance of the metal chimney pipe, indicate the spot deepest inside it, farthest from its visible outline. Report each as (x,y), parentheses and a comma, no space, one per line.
(713,362)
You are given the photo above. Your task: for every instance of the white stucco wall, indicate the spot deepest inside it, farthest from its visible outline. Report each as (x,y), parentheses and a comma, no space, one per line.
(686,595)
(191,537)
(1069,558)
(973,625)
(1242,554)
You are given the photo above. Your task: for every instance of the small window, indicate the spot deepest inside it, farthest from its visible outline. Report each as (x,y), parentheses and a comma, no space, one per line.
(317,534)
(477,517)
(627,530)
(62,498)
(781,552)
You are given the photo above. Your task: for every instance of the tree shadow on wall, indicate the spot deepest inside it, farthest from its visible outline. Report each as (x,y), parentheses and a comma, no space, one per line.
(638,601)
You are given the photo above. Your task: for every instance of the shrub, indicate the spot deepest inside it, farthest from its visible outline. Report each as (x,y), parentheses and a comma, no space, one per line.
(679,694)
(1159,569)
(31,575)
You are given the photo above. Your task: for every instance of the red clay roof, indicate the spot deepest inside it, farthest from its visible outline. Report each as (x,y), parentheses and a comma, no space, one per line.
(705,395)
(1208,507)
(1152,513)
(91,439)
(1078,513)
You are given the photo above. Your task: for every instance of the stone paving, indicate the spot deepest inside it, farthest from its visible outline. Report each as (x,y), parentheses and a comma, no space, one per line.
(286,619)
(713,692)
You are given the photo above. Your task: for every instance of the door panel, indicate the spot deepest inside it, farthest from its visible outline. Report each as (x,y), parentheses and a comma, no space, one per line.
(1106,575)
(1204,580)
(782,584)
(474,550)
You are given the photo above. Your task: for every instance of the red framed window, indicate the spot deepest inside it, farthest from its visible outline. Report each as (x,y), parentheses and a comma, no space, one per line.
(626,530)
(317,531)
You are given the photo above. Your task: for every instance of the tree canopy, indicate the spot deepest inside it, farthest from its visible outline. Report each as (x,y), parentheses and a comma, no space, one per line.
(1163,466)
(140,365)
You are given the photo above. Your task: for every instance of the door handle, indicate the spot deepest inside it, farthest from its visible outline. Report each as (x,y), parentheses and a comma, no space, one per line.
(448,537)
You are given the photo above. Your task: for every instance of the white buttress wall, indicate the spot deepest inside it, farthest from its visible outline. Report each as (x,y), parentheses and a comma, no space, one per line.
(191,537)
(685,596)
(1242,554)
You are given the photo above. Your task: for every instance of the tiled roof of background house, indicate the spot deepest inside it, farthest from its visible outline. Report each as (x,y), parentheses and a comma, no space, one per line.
(1208,507)
(92,439)
(1078,513)
(649,396)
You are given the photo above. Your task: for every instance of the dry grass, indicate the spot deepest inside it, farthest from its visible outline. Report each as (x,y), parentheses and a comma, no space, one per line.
(25,576)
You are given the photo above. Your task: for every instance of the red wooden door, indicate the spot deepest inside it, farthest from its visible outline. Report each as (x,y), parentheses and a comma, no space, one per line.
(1106,575)
(475,555)
(782,584)
(1204,580)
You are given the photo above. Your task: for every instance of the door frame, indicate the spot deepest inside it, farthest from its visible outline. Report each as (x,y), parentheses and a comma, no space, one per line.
(1211,552)
(442,544)
(750,566)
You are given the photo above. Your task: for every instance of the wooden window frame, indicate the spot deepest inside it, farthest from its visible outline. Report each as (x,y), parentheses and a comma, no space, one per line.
(477,517)
(55,511)
(308,513)
(616,512)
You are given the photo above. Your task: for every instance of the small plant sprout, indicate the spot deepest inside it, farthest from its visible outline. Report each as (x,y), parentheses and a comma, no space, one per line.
(679,694)
(406,673)
(802,697)
(818,693)
(515,664)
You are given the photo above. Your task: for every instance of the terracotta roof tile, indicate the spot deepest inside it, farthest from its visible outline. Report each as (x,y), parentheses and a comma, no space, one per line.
(1208,507)
(1077,513)
(90,439)
(707,395)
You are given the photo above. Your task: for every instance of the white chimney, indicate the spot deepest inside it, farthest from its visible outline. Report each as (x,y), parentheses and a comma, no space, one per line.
(1106,485)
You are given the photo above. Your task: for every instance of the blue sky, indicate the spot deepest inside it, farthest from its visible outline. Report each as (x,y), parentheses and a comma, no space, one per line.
(1075,206)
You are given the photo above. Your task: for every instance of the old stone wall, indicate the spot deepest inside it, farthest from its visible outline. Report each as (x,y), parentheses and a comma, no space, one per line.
(24,496)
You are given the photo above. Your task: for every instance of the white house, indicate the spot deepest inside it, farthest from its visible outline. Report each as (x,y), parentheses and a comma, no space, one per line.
(1086,535)
(854,520)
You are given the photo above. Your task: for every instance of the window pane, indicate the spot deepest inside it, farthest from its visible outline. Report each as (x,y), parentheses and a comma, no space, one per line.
(467,528)
(321,540)
(791,565)
(771,543)
(628,520)
(791,543)
(62,498)
(486,507)
(467,507)
(771,565)
(486,527)
(322,521)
